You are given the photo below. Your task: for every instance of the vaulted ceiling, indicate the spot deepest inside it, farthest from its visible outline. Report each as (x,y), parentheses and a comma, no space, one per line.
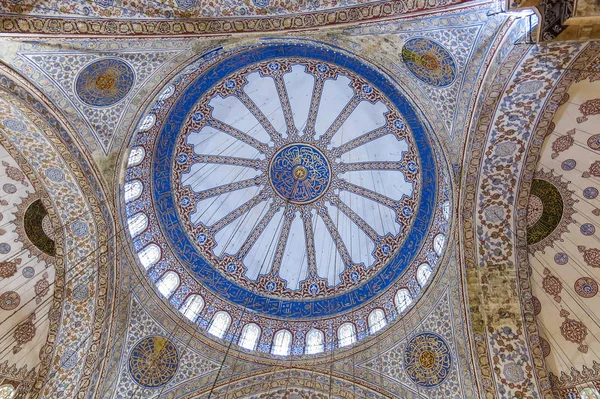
(398,204)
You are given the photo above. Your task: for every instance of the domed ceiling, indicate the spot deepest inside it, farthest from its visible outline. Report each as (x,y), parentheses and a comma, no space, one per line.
(288,186)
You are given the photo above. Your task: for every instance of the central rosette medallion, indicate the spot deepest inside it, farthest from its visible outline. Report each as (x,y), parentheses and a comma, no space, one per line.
(300,173)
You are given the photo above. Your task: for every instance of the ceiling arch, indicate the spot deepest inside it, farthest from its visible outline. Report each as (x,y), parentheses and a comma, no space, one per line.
(82,280)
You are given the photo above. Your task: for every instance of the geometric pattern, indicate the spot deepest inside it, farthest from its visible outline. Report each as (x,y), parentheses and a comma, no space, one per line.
(549,211)
(97,88)
(153,361)
(104,82)
(429,61)
(427,359)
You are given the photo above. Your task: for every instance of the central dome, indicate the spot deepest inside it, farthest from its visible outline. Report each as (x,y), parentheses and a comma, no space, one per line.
(291,181)
(296,178)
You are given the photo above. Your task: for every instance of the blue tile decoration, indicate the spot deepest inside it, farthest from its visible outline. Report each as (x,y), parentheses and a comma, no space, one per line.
(104,82)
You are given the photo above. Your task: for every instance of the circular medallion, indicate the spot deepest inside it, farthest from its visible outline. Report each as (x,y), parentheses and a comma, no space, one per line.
(9,188)
(590,192)
(587,229)
(586,287)
(153,361)
(429,61)
(299,173)
(4,248)
(28,272)
(104,82)
(594,142)
(561,258)
(9,300)
(551,207)
(568,164)
(427,359)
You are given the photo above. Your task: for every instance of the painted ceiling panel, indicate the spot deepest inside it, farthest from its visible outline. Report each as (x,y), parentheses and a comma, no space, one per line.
(563,217)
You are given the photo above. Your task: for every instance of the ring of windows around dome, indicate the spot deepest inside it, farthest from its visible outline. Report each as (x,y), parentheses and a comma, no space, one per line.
(268,320)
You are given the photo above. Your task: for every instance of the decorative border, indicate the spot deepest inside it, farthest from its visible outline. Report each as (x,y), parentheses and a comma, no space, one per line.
(482,321)
(19,24)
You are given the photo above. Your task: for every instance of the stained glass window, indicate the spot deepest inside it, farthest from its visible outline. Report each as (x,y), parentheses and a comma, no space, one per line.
(168,283)
(314,342)
(137,224)
(403,300)
(149,255)
(282,343)
(376,320)
(423,273)
(192,307)
(249,337)
(346,335)
(136,155)
(132,190)
(220,324)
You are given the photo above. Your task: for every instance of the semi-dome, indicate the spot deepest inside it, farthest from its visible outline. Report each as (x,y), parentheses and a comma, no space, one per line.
(287,196)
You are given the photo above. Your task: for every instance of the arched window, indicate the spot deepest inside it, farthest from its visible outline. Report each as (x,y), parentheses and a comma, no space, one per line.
(168,283)
(446,210)
(168,92)
(402,299)
(132,190)
(136,155)
(282,343)
(7,392)
(249,337)
(346,335)
(590,393)
(219,325)
(147,123)
(314,342)
(137,223)
(376,320)
(149,255)
(192,307)
(423,273)
(438,243)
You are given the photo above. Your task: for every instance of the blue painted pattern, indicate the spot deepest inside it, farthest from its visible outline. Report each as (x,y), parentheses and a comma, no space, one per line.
(153,361)
(104,82)
(175,232)
(427,359)
(300,173)
(429,61)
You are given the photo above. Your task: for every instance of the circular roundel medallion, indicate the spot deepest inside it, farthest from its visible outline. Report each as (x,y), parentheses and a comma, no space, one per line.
(427,359)
(586,287)
(104,82)
(9,300)
(568,164)
(299,173)
(590,192)
(153,361)
(594,142)
(429,61)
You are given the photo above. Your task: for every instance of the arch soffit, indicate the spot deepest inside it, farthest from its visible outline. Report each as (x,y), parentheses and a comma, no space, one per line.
(65,142)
